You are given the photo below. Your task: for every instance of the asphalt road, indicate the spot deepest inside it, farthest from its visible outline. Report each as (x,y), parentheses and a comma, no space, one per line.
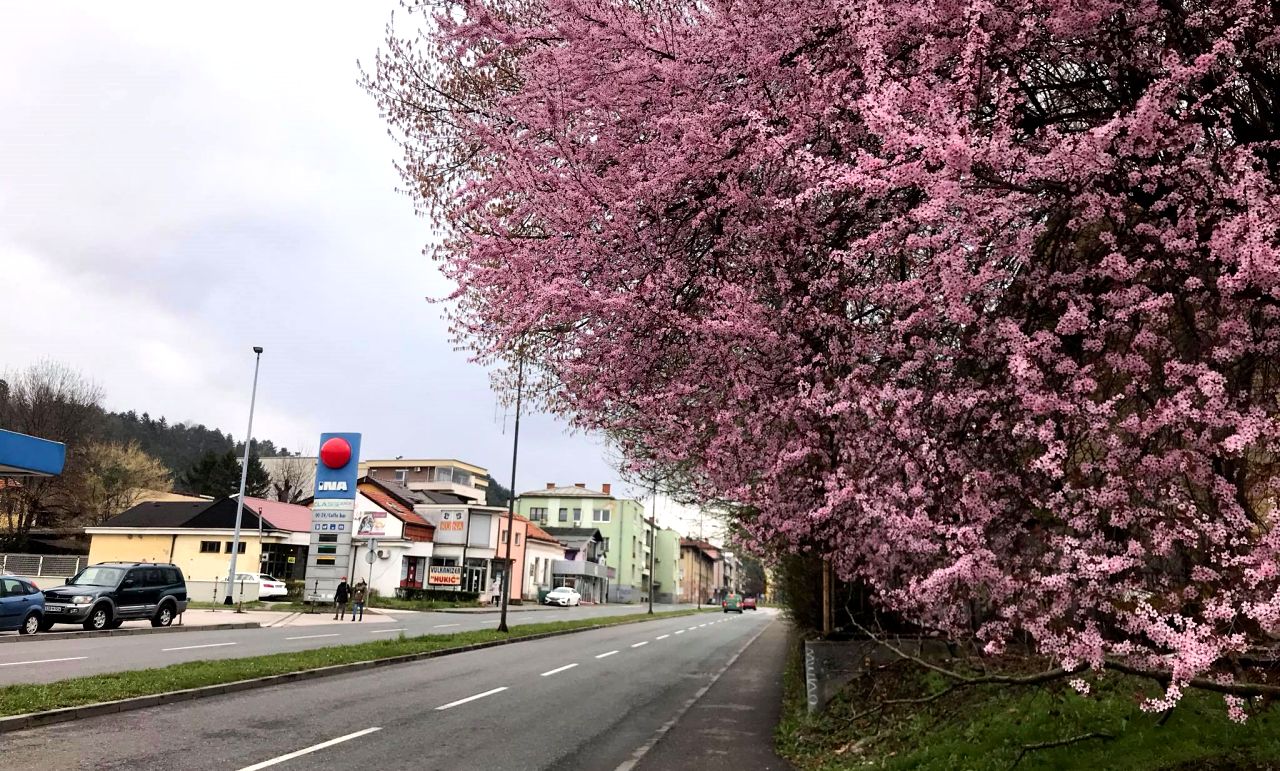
(40,661)
(583,701)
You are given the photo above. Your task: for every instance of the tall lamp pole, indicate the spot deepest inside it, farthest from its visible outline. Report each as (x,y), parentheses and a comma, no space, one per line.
(511,499)
(244,476)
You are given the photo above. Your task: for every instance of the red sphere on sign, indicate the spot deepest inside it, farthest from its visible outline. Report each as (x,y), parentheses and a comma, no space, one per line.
(335,453)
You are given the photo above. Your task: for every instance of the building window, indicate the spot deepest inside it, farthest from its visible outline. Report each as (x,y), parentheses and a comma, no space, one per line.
(564,515)
(538,514)
(604,546)
(517,539)
(633,546)
(502,536)
(461,477)
(577,515)
(402,475)
(600,515)
(240,551)
(210,547)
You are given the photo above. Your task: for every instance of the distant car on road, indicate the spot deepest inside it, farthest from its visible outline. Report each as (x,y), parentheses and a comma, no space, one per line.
(268,587)
(563,595)
(104,596)
(749,603)
(732,602)
(21,605)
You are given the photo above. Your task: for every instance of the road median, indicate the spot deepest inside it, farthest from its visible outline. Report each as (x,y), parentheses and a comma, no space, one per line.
(27,706)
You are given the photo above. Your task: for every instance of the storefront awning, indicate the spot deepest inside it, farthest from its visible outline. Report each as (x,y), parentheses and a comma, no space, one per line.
(22,455)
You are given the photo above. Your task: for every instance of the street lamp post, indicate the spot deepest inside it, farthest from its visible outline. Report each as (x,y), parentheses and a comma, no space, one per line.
(244,476)
(511,499)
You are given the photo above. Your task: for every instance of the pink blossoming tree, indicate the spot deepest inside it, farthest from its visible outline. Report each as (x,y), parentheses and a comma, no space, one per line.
(979,300)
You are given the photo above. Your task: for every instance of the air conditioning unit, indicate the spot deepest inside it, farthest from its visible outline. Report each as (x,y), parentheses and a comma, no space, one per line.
(383,554)
(417,468)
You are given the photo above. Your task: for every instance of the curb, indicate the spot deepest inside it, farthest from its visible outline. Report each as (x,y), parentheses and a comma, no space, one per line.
(67,714)
(43,636)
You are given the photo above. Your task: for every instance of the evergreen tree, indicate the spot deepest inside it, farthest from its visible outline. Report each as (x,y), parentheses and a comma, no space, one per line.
(218,474)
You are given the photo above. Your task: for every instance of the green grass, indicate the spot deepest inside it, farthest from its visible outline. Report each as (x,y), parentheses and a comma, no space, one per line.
(394,603)
(37,697)
(986,727)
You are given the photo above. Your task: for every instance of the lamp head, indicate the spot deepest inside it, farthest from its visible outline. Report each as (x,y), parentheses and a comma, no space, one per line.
(257,349)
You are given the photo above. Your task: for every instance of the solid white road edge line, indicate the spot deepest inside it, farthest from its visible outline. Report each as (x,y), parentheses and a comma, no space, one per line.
(384,631)
(312,636)
(193,647)
(557,670)
(603,655)
(642,750)
(471,698)
(642,642)
(308,750)
(442,626)
(42,661)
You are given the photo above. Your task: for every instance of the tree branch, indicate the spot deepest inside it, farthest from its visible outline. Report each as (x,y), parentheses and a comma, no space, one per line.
(1059,743)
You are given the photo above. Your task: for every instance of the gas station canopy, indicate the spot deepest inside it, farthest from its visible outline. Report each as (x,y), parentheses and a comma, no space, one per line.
(22,455)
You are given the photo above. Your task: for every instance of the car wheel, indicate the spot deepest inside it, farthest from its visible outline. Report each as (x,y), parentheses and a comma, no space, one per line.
(30,624)
(98,620)
(164,616)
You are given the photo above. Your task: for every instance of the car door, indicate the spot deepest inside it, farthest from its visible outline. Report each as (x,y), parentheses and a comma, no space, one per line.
(131,597)
(11,603)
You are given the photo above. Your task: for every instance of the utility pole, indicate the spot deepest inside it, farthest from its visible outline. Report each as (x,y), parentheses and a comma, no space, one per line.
(511,501)
(244,476)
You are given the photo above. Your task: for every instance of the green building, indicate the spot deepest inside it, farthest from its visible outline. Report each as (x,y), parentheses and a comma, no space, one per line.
(623,523)
(666,567)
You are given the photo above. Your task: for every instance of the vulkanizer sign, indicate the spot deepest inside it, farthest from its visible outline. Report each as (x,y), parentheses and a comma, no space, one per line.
(444,575)
(332,514)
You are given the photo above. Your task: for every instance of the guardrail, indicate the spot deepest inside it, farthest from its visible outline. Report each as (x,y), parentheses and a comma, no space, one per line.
(36,565)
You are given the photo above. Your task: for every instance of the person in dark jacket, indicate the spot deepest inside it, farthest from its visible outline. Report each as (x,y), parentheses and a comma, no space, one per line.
(358,598)
(340,599)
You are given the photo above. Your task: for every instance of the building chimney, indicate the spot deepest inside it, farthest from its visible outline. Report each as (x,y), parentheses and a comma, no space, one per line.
(580,484)
(551,485)
(604,488)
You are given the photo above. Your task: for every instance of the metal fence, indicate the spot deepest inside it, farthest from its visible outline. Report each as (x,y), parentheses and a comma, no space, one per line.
(43,564)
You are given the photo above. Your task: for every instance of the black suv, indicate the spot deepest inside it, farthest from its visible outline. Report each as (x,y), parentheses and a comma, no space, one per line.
(106,595)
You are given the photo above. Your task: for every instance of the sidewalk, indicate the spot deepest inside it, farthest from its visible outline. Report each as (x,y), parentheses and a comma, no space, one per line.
(273,618)
(731,727)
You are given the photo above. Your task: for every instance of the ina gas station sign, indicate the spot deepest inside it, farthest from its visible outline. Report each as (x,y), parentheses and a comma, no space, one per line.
(332,515)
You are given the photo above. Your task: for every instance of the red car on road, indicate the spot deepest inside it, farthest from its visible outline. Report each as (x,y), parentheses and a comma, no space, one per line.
(748,603)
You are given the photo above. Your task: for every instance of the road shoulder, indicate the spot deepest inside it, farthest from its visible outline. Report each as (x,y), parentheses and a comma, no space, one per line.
(732,726)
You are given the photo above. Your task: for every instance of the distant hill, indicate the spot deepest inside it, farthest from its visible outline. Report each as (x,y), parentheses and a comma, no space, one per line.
(177,445)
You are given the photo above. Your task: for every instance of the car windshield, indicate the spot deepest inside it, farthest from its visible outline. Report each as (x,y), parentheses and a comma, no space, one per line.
(96,577)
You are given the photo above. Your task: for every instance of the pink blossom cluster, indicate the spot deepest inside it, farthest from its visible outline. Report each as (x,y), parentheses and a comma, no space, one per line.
(978,300)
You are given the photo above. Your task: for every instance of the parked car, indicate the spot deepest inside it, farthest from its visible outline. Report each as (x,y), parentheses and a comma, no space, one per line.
(732,602)
(21,605)
(749,603)
(104,596)
(563,595)
(268,587)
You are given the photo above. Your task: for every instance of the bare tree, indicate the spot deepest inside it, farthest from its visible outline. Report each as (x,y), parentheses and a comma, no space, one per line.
(293,477)
(112,478)
(52,401)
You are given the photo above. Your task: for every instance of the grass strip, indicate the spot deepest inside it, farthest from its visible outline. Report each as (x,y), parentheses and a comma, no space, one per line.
(987,728)
(79,691)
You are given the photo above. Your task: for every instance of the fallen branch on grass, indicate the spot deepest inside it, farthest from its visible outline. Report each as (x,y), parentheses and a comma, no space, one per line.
(1058,743)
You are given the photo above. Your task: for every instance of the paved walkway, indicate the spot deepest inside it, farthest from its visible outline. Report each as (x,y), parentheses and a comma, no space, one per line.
(731,727)
(271,618)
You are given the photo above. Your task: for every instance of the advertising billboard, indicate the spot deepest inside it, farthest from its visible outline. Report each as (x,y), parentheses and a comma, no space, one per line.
(444,575)
(332,515)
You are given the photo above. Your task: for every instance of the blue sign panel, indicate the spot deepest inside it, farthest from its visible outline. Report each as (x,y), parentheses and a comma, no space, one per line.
(338,466)
(22,455)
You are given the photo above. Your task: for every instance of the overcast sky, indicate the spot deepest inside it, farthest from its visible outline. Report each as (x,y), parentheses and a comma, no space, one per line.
(179,183)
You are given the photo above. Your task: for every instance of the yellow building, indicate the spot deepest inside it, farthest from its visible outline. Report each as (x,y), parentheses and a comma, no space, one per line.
(194,535)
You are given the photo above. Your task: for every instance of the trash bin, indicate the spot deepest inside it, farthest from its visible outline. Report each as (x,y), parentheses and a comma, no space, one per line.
(542,596)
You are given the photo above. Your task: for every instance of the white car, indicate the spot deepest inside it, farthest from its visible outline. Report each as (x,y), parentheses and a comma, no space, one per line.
(563,595)
(268,587)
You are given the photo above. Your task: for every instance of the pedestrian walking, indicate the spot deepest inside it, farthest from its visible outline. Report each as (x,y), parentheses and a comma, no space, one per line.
(357,600)
(340,598)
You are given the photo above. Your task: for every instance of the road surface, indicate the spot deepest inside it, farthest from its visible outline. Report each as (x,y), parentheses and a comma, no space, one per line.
(592,700)
(39,661)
